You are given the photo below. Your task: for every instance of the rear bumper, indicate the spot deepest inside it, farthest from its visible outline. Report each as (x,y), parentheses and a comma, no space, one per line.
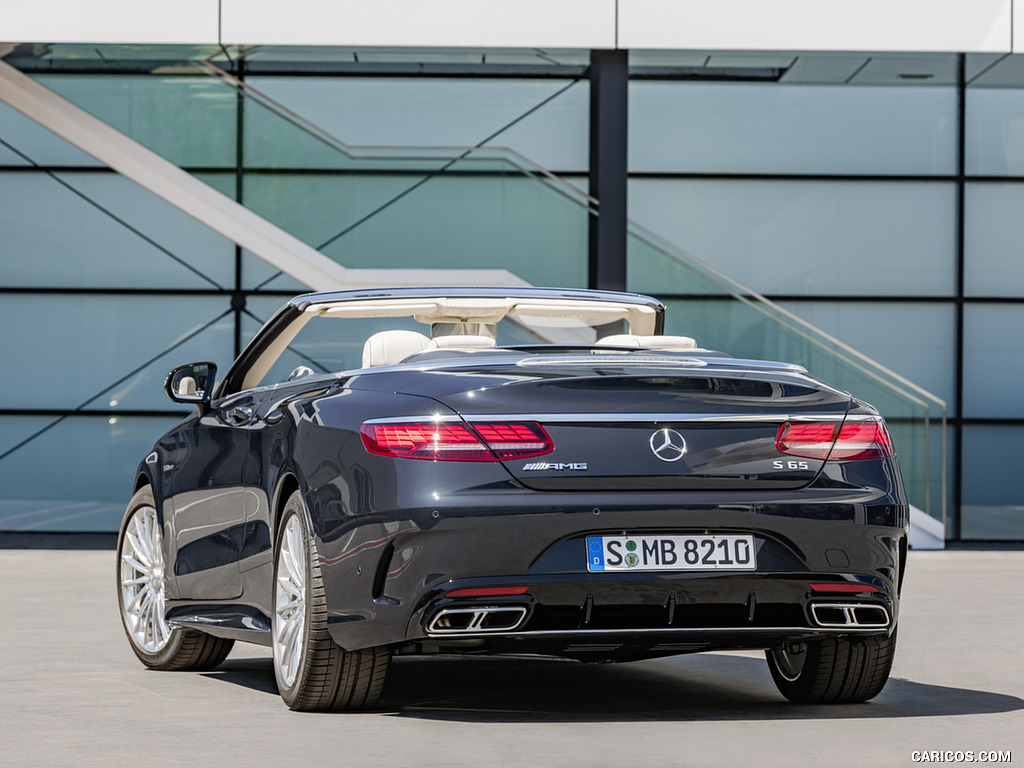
(387,580)
(647,616)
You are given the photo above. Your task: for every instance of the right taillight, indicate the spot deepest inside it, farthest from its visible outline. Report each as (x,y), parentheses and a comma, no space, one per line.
(868,439)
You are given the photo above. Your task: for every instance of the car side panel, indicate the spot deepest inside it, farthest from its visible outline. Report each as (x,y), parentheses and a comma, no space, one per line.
(200,472)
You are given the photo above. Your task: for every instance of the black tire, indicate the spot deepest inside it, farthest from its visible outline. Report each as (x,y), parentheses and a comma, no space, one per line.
(316,674)
(835,670)
(170,649)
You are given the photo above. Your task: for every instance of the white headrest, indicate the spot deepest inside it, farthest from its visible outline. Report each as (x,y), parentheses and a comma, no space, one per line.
(668,343)
(186,386)
(391,347)
(461,342)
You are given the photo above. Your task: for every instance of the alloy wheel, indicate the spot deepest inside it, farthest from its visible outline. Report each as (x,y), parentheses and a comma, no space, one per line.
(290,602)
(143,592)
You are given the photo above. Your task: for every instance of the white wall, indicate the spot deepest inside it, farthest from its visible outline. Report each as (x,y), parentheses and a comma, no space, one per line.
(871,25)
(832,25)
(109,21)
(446,23)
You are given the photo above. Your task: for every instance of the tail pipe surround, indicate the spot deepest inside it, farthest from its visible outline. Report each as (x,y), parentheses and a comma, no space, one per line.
(852,615)
(485,618)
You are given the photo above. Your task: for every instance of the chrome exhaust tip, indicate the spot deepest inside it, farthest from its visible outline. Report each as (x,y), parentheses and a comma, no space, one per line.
(488,618)
(853,615)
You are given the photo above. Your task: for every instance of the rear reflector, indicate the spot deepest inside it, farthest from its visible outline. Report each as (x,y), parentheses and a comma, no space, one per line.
(843,587)
(487,591)
(831,440)
(488,441)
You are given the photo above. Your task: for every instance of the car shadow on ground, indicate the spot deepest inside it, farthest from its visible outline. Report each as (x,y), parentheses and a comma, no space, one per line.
(699,687)
(255,673)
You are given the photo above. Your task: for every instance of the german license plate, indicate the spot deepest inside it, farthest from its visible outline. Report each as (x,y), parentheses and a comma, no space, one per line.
(670,553)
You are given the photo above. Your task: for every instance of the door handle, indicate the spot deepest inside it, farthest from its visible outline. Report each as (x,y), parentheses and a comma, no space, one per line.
(239,415)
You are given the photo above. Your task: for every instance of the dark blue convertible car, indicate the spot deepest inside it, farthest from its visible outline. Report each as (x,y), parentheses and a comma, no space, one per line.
(542,471)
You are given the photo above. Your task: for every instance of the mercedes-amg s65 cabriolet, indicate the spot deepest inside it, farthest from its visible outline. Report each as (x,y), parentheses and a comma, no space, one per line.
(498,471)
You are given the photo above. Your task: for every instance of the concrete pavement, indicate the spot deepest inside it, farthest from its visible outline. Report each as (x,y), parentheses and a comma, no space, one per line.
(73,694)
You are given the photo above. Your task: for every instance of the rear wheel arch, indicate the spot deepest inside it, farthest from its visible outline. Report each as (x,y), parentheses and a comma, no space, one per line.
(312,671)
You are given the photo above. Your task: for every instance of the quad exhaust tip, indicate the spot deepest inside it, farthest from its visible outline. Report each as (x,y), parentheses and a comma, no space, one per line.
(853,615)
(488,618)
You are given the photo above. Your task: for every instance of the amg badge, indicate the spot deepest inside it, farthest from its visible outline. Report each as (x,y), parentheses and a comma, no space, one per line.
(575,466)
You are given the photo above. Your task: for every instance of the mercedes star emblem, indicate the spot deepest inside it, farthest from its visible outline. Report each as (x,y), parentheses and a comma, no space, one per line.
(668,445)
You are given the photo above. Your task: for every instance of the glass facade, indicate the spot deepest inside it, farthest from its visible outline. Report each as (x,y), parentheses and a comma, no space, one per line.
(843,200)
(993,486)
(468,219)
(773,128)
(821,238)
(109,233)
(543,120)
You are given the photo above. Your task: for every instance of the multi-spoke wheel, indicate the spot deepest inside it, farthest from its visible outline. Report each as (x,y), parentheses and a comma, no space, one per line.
(313,672)
(833,670)
(290,601)
(142,582)
(141,595)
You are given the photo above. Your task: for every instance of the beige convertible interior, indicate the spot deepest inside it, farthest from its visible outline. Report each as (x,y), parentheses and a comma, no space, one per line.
(468,323)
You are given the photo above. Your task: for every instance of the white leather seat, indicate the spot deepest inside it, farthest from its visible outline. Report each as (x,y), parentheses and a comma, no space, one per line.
(667,343)
(391,347)
(461,342)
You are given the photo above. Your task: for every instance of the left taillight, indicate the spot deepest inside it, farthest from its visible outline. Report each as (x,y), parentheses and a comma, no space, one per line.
(453,441)
(868,439)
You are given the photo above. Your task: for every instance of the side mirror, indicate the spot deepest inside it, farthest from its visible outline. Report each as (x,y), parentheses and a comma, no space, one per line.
(191,383)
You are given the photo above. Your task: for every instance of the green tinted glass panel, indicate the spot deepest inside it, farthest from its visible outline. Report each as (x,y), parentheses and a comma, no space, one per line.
(544,120)
(993,360)
(94,351)
(777,128)
(994,144)
(500,220)
(890,333)
(98,457)
(992,228)
(100,230)
(189,120)
(31,143)
(810,237)
(993,485)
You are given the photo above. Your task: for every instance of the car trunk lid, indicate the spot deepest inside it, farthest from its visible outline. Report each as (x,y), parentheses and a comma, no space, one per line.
(712,429)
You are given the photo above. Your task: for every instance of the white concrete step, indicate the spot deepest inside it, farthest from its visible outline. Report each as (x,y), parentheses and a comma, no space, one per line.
(925,531)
